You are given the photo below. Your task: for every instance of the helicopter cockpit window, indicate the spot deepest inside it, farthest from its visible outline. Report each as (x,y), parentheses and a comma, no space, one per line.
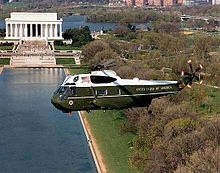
(76,79)
(102,79)
(61,90)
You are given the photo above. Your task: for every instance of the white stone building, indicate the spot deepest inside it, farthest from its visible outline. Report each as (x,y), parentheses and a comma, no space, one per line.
(216,2)
(32,26)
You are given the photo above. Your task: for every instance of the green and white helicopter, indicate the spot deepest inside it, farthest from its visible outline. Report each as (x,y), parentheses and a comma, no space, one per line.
(106,91)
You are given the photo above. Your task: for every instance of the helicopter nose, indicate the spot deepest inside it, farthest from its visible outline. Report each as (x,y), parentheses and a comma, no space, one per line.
(56,101)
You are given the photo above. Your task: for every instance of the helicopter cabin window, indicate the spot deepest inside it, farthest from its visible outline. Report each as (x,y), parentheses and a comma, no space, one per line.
(101,92)
(102,79)
(86,79)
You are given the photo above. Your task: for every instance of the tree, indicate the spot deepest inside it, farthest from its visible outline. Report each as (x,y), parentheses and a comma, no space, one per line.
(2,32)
(121,31)
(202,161)
(166,27)
(79,36)
(90,49)
(98,52)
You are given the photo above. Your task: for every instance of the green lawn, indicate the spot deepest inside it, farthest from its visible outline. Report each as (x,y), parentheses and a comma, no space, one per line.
(6,47)
(4,61)
(215,96)
(113,145)
(78,70)
(65,61)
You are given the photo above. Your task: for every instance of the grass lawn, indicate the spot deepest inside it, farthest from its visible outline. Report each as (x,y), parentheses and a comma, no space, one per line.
(78,70)
(65,61)
(4,61)
(66,47)
(113,145)
(215,95)
(6,47)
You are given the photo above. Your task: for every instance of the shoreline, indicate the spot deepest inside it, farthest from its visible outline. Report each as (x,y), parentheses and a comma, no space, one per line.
(97,155)
(93,146)
(1,69)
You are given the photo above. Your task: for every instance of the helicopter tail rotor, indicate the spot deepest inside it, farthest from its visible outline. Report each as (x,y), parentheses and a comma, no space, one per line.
(188,78)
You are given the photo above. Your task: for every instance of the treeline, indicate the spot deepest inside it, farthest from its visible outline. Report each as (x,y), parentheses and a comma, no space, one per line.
(130,16)
(178,136)
(203,10)
(146,15)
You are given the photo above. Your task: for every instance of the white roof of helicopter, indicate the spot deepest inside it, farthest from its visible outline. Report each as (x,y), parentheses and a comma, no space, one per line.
(84,80)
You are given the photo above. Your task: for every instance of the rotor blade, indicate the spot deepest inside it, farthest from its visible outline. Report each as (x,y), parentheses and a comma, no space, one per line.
(190,65)
(108,62)
(189,86)
(182,73)
(200,65)
(199,68)
(111,65)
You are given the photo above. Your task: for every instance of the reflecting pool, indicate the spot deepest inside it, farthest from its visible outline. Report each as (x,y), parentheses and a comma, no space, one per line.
(34,136)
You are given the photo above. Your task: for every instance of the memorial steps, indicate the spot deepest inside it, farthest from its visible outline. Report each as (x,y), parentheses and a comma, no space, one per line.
(35,53)
(32,61)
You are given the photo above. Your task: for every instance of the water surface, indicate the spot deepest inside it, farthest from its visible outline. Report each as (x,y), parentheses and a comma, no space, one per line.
(77,21)
(34,136)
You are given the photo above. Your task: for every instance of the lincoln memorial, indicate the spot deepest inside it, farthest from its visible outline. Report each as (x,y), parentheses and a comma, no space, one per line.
(23,25)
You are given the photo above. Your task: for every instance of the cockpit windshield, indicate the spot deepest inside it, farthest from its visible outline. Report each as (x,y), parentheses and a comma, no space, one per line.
(65,90)
(61,90)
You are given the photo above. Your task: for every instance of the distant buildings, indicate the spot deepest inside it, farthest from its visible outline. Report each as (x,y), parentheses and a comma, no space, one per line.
(142,3)
(167,3)
(195,2)
(130,3)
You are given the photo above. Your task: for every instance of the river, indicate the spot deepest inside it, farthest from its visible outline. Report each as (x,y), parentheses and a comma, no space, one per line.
(34,136)
(77,21)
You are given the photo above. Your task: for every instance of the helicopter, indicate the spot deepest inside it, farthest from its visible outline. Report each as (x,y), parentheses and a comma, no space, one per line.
(105,90)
